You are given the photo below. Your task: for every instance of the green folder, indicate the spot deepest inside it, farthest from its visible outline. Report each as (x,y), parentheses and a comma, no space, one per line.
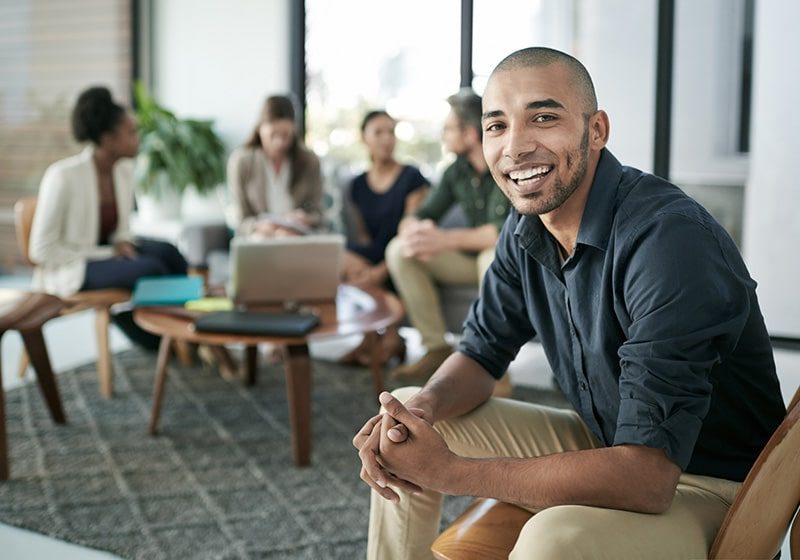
(167,290)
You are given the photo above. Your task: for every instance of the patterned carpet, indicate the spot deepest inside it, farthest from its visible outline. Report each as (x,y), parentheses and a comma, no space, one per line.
(217,483)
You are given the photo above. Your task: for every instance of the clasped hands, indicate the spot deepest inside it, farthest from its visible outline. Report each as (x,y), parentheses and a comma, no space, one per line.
(422,239)
(125,250)
(400,448)
(283,227)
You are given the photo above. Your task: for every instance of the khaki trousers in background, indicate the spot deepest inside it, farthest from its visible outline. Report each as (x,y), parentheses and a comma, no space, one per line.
(507,428)
(416,282)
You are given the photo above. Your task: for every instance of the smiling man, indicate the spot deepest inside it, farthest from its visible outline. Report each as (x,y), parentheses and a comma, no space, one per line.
(649,320)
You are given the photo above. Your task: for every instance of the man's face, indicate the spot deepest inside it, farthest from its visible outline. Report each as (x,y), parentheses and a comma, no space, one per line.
(536,136)
(454,135)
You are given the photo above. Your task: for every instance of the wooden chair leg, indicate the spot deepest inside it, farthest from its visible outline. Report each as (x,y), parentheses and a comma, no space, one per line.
(3,440)
(34,343)
(24,362)
(160,382)
(102,318)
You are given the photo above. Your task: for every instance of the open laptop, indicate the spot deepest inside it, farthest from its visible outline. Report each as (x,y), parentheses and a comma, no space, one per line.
(285,269)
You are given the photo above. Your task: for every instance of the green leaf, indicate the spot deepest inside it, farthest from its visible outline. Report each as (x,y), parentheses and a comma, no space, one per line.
(173,152)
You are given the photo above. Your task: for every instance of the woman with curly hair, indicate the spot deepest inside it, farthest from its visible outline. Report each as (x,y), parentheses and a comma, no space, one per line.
(80,236)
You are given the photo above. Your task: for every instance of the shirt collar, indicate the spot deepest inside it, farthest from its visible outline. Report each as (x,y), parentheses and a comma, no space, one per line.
(598,215)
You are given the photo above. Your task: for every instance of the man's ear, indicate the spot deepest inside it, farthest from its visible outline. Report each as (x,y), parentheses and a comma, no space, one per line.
(599,130)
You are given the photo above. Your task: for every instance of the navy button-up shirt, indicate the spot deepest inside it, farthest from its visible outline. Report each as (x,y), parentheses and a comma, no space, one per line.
(652,326)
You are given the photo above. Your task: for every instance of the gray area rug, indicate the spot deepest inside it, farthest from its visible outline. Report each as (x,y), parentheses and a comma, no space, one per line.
(218,482)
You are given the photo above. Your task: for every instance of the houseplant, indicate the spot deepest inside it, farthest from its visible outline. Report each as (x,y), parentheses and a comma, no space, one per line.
(174,153)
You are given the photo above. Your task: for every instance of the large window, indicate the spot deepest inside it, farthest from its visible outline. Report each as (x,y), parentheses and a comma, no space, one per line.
(49,51)
(364,55)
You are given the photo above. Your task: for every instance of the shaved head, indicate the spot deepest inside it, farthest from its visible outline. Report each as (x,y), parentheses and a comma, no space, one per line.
(543,56)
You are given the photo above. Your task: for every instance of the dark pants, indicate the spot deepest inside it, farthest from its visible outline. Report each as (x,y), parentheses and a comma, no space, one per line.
(156,258)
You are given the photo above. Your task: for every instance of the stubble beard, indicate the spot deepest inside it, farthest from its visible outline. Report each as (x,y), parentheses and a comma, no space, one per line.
(536,203)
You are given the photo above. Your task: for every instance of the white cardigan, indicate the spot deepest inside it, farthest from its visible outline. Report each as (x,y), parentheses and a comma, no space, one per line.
(66,224)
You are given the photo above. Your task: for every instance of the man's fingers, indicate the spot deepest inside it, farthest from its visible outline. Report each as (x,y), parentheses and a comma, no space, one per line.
(367,454)
(365,431)
(398,411)
(398,433)
(386,493)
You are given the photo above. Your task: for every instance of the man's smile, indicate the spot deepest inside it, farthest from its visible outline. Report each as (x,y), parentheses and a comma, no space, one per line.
(528,179)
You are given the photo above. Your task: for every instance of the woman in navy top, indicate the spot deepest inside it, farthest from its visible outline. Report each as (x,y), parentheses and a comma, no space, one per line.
(378,200)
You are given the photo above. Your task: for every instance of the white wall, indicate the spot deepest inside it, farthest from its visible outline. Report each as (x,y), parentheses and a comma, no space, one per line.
(616,41)
(772,200)
(219,60)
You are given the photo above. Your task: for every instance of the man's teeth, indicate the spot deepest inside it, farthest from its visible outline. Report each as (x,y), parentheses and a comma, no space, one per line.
(534,172)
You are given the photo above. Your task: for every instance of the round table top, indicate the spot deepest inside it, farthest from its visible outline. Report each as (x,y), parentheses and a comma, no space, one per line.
(355,311)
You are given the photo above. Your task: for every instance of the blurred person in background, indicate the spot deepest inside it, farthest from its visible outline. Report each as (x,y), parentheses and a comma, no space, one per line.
(275,183)
(377,201)
(80,237)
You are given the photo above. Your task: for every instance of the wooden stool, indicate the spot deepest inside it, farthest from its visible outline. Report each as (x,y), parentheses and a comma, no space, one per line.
(26,312)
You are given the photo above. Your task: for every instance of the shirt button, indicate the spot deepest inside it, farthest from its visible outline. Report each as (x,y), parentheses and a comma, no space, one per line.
(583,385)
(500,210)
(476,182)
(479,204)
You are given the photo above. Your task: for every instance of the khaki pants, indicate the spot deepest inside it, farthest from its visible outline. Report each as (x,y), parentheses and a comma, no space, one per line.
(509,428)
(416,282)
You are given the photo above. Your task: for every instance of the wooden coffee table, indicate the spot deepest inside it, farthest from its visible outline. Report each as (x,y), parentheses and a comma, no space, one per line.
(356,311)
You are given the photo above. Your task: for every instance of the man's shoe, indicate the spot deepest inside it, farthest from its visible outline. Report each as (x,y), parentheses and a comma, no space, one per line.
(503,387)
(423,368)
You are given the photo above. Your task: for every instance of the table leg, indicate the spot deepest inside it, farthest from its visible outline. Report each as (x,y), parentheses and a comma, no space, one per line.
(251,365)
(376,362)
(298,390)
(160,381)
(37,352)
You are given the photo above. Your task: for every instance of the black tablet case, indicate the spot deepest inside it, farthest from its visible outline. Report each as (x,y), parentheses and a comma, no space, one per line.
(257,323)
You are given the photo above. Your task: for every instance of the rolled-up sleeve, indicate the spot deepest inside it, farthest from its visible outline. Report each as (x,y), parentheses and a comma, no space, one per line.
(498,323)
(687,306)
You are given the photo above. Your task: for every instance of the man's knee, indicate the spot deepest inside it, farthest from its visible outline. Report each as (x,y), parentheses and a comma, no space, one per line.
(166,253)
(394,255)
(556,532)
(404,393)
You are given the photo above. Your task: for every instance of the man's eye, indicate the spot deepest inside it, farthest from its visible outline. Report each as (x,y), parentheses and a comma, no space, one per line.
(493,127)
(544,118)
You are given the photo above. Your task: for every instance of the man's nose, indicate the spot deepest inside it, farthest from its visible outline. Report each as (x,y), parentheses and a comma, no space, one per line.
(519,141)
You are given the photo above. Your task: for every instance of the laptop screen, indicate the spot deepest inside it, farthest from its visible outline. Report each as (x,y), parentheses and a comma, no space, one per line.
(285,269)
